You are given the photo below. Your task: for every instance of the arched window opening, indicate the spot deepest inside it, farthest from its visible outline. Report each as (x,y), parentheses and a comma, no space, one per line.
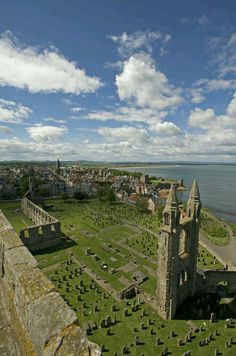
(182,242)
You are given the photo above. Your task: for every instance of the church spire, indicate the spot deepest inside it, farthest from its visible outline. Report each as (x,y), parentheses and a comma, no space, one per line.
(194,194)
(194,202)
(171,210)
(171,202)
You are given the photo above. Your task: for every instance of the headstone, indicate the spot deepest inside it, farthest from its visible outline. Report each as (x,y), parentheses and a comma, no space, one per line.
(109,321)
(212,317)
(103,323)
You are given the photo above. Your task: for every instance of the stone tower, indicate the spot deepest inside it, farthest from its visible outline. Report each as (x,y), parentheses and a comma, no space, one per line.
(177,253)
(58,167)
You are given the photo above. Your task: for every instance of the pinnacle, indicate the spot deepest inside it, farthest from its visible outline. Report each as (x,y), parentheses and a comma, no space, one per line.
(194,194)
(172,198)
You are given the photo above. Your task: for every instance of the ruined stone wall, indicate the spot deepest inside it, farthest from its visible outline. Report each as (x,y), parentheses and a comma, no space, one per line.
(45,233)
(209,281)
(42,322)
(35,213)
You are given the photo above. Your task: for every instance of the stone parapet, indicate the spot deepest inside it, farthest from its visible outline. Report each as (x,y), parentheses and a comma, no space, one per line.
(43,324)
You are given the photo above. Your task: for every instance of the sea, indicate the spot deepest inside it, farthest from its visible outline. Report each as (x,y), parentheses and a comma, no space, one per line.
(217,184)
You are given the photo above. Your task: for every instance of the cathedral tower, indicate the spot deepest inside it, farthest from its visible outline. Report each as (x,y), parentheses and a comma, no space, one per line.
(177,253)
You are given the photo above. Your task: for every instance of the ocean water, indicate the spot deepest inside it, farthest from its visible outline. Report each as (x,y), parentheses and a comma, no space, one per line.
(217,184)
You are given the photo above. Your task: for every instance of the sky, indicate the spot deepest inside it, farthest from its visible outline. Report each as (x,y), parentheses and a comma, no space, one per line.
(120,81)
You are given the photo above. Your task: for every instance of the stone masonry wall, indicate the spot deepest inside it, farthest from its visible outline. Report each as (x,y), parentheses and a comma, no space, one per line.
(209,281)
(42,322)
(45,233)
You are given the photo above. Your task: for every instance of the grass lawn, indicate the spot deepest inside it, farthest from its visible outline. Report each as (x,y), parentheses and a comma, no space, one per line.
(214,229)
(97,232)
(141,328)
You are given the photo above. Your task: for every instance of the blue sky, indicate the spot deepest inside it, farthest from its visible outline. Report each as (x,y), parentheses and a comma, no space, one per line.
(118,80)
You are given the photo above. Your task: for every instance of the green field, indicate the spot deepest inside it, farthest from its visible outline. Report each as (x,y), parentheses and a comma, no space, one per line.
(126,240)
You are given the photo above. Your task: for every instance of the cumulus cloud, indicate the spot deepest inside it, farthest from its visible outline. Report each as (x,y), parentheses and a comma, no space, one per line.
(166,128)
(145,85)
(128,43)
(201,118)
(46,71)
(231,109)
(127,114)
(196,95)
(221,84)
(12,112)
(46,133)
(6,130)
(130,134)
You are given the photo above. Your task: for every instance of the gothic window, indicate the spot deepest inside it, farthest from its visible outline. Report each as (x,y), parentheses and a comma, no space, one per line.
(182,242)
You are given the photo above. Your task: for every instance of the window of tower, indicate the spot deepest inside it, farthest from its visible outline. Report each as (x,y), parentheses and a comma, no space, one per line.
(182,242)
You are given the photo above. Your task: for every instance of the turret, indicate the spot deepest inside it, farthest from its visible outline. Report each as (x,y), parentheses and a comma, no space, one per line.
(194,202)
(171,211)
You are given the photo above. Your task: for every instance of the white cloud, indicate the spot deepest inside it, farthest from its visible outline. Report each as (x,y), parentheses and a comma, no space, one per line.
(47,71)
(142,83)
(6,130)
(12,112)
(221,84)
(52,119)
(201,118)
(196,95)
(166,128)
(76,109)
(128,43)
(114,65)
(231,110)
(127,114)
(203,20)
(130,134)
(46,133)
(222,51)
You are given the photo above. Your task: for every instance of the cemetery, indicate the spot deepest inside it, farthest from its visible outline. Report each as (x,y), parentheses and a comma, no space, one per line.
(109,250)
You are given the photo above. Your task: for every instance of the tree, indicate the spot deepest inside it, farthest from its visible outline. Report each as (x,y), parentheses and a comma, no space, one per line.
(101,193)
(110,195)
(141,205)
(106,194)
(79,195)
(24,184)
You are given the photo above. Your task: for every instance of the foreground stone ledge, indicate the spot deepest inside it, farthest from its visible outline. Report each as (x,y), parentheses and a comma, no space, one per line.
(42,323)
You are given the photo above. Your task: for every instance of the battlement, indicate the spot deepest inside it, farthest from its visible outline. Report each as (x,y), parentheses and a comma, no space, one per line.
(40,320)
